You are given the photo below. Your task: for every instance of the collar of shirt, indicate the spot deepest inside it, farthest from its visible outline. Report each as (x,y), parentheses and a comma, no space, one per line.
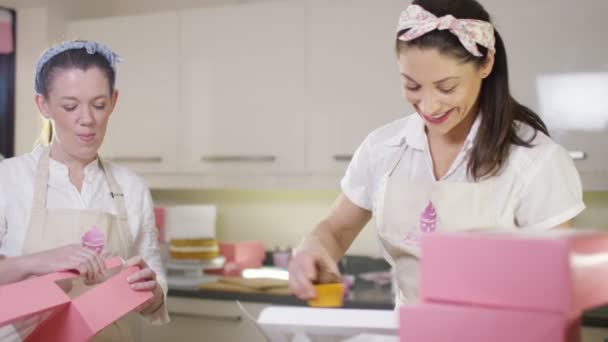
(59,173)
(413,133)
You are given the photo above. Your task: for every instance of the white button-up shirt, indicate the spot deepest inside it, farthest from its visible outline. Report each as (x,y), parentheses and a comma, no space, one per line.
(538,187)
(17,192)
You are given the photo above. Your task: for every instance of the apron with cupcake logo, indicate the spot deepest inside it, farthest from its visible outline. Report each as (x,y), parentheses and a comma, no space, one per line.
(406,210)
(50,229)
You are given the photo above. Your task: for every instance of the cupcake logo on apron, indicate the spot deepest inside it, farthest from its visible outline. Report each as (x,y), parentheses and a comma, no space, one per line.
(427,224)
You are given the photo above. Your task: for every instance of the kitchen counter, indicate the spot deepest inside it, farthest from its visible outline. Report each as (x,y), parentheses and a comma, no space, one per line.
(596,318)
(365,295)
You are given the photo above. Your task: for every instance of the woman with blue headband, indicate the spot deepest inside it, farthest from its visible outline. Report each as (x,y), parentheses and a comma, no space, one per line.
(471,157)
(50,198)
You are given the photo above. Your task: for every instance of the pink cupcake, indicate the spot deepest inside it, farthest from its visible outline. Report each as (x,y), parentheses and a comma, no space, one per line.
(94,239)
(428,219)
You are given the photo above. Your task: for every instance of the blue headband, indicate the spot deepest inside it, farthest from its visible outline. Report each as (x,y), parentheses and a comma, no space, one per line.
(91,48)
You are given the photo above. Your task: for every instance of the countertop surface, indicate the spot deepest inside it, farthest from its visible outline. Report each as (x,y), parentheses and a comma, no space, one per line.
(364,295)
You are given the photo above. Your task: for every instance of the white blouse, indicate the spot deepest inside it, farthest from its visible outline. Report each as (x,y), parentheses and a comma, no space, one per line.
(538,187)
(16,195)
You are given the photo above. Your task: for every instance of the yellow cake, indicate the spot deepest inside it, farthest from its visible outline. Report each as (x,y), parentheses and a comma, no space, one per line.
(199,249)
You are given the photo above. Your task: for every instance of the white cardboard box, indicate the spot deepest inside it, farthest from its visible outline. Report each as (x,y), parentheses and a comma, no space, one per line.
(301,324)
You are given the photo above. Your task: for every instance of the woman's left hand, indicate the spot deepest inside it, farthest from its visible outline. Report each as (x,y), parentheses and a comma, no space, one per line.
(145,280)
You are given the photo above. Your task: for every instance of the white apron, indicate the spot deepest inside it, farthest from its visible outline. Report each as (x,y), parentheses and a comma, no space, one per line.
(406,210)
(56,228)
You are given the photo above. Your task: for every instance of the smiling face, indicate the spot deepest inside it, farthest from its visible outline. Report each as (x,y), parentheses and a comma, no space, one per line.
(442,89)
(79,104)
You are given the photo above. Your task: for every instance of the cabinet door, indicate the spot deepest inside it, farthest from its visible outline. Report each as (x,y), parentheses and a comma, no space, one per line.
(205,320)
(353,76)
(243,89)
(575,109)
(142,131)
(567,87)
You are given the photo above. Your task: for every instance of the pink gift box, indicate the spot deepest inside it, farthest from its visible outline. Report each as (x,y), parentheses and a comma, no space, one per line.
(244,254)
(427,322)
(159,218)
(562,271)
(71,320)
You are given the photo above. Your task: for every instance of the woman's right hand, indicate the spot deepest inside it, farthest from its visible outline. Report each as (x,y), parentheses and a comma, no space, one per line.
(71,257)
(311,263)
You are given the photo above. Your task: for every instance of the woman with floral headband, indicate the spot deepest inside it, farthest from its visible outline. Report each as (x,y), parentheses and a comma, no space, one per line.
(51,197)
(471,156)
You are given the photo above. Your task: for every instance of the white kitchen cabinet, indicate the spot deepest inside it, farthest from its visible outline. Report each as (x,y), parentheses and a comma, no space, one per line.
(575,108)
(566,86)
(352,75)
(142,132)
(205,320)
(242,83)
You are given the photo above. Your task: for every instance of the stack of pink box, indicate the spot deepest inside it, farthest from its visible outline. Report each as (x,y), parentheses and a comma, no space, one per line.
(498,286)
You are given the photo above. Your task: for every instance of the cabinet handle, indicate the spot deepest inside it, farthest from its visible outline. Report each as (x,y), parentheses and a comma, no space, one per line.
(343,157)
(233,159)
(577,155)
(143,160)
(236,318)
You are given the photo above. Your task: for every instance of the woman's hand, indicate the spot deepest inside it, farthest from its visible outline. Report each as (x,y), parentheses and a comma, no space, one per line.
(145,280)
(71,257)
(311,263)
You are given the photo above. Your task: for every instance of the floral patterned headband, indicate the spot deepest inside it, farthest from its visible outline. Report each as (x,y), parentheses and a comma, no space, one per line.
(90,46)
(418,22)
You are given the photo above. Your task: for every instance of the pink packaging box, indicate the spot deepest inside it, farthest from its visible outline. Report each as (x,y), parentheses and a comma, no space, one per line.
(244,254)
(71,320)
(561,270)
(159,218)
(428,322)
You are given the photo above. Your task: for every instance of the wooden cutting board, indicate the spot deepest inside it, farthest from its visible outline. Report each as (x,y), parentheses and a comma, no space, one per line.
(260,284)
(219,286)
(245,285)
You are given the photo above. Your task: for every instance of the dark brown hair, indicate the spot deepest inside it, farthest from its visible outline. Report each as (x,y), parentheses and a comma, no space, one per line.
(501,113)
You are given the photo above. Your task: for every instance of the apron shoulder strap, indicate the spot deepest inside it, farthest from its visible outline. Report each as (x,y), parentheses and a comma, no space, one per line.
(41,178)
(118,196)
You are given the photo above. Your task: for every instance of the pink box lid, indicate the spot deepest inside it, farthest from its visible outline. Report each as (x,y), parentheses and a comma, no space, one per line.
(560,270)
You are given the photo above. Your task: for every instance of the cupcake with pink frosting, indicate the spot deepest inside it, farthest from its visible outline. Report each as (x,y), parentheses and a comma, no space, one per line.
(94,239)
(428,219)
